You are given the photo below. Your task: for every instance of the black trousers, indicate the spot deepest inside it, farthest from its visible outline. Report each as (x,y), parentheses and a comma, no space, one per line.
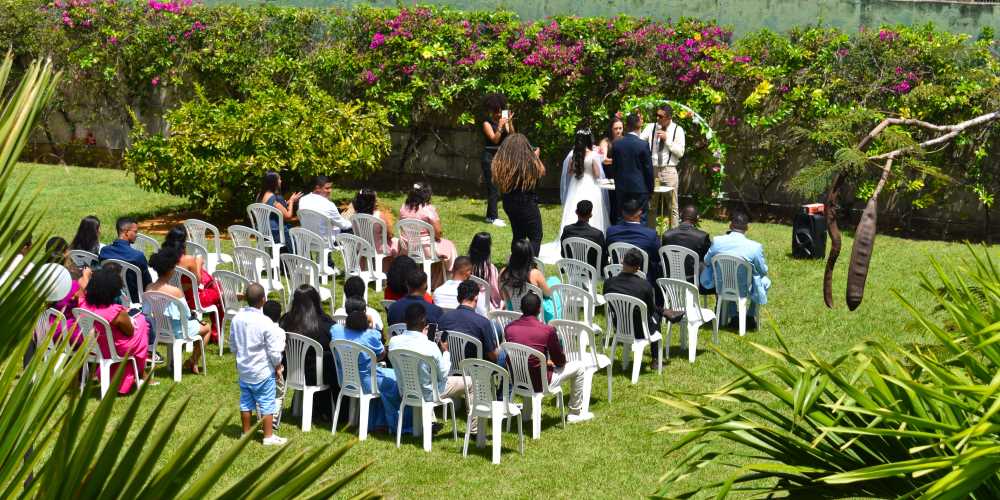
(492,195)
(525,218)
(643,200)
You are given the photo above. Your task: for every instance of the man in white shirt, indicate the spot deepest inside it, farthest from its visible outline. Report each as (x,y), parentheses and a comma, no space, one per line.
(414,339)
(319,200)
(446,295)
(666,142)
(258,344)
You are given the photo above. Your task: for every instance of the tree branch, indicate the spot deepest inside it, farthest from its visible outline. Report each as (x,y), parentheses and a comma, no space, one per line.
(952,131)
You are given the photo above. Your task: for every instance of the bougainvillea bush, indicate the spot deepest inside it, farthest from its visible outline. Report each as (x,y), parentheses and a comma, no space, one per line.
(781,104)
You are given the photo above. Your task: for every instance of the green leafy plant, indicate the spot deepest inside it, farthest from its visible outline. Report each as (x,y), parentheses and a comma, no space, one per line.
(51,445)
(916,421)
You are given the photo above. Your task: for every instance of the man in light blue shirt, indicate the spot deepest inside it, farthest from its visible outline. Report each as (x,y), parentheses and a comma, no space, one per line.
(415,340)
(736,243)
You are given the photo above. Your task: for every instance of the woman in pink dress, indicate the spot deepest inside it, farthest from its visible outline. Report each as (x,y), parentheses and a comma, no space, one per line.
(129,335)
(418,206)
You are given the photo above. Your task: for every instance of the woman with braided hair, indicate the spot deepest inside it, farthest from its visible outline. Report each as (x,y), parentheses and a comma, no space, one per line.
(516,171)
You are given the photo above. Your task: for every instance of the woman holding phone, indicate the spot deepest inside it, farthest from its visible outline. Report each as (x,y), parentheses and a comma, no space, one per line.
(496,127)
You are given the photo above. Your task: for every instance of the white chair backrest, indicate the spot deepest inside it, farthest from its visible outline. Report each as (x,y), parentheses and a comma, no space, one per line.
(88,323)
(577,339)
(129,272)
(299,271)
(485,381)
(417,237)
(538,264)
(484,287)
(317,223)
(198,231)
(354,251)
(733,276)
(246,260)
(231,286)
(347,358)
(145,244)
(612,270)
(582,250)
(457,342)
(517,295)
(196,250)
(518,356)
(618,250)
(503,317)
(339,319)
(244,236)
(162,325)
(396,329)
(407,365)
(578,273)
(674,259)
(83,258)
(576,303)
(621,317)
(365,227)
(260,215)
(679,295)
(309,244)
(296,347)
(49,319)
(181,275)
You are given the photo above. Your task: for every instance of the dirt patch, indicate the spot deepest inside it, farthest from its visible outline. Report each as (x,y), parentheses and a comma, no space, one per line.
(160,224)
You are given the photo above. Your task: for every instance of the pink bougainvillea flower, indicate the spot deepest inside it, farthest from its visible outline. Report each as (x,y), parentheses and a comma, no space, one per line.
(155,81)
(369,77)
(172,38)
(378,40)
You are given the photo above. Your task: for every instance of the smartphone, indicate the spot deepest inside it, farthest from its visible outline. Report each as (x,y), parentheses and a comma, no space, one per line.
(505,114)
(432,332)
(134,312)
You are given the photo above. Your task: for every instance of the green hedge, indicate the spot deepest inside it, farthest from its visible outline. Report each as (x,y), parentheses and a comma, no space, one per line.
(780,104)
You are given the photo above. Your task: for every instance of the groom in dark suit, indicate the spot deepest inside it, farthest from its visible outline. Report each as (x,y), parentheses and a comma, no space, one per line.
(633,168)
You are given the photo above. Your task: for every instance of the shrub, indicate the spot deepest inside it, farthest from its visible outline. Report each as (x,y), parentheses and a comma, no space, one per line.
(216,152)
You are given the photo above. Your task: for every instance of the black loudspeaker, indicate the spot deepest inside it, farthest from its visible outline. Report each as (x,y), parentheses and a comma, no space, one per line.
(809,236)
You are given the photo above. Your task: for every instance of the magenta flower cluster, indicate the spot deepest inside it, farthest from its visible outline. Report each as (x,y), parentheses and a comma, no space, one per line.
(172,6)
(904,86)
(548,49)
(378,40)
(474,56)
(887,35)
(369,77)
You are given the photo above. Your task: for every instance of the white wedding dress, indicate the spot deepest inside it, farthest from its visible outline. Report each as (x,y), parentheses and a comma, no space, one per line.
(576,190)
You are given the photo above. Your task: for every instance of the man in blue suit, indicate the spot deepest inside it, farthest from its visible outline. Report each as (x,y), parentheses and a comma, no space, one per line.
(736,243)
(632,230)
(633,168)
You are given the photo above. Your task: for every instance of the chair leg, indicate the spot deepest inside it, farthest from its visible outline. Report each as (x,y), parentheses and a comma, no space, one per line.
(659,360)
(218,323)
(536,417)
(204,357)
(692,341)
(399,425)
(636,364)
(481,432)
(520,434)
(742,312)
(609,381)
(562,410)
(670,328)
(427,418)
(307,410)
(363,402)
(105,369)
(427,269)
(454,423)
(336,413)
(495,424)
(718,314)
(175,359)
(468,430)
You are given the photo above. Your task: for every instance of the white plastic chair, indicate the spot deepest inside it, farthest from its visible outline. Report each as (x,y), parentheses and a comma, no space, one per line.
(733,280)
(198,251)
(679,295)
(486,380)
(319,224)
(355,252)
(180,274)
(582,249)
(673,260)
(621,321)
(457,342)
(612,270)
(373,230)
(500,319)
(396,329)
(582,275)
(129,272)
(296,347)
(162,325)
(408,369)
(260,215)
(315,248)
(231,286)
(580,345)
(88,323)
(255,266)
(198,231)
(484,288)
(517,295)
(244,236)
(347,357)
(520,371)
(300,271)
(83,258)
(52,319)
(576,304)
(145,244)
(538,264)
(618,250)
(418,237)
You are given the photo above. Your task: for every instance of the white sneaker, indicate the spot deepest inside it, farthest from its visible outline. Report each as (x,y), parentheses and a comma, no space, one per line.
(274,440)
(499,223)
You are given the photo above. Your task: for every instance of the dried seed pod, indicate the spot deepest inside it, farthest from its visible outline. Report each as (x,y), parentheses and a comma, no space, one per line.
(861,254)
(830,211)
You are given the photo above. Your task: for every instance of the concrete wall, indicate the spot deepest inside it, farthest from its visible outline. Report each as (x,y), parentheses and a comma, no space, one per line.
(743,15)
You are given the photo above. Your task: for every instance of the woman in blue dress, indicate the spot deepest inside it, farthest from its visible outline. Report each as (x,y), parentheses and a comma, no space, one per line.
(270,194)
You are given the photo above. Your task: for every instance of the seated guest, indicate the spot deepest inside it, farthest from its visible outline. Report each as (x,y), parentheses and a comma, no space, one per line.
(687,235)
(416,283)
(632,230)
(358,328)
(736,243)
(121,249)
(272,309)
(258,344)
(418,206)
(446,295)
(305,317)
(319,200)
(529,331)
(482,265)
(58,250)
(582,229)
(209,293)
(128,335)
(164,261)
(88,235)
(354,287)
(520,270)
(629,283)
(366,202)
(395,282)
(414,339)
(466,319)
(270,194)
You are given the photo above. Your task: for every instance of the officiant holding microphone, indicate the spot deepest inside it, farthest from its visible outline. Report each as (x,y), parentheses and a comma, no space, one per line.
(666,143)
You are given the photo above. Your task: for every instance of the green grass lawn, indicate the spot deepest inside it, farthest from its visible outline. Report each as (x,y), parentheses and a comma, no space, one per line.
(618,453)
